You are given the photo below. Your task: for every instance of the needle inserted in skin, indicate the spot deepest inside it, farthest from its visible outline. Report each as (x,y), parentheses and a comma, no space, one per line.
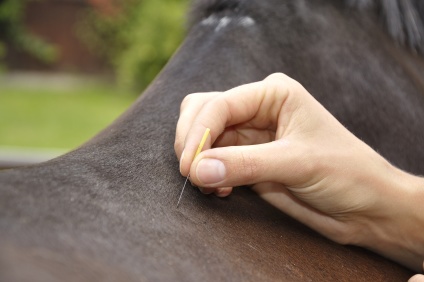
(182,191)
(199,149)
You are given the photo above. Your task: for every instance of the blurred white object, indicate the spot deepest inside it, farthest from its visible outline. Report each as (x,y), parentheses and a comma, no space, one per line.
(19,156)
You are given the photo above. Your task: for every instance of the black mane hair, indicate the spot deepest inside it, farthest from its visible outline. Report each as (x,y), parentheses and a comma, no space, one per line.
(403,19)
(201,9)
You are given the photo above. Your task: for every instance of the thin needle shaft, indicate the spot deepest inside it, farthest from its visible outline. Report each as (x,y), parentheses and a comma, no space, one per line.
(182,191)
(199,149)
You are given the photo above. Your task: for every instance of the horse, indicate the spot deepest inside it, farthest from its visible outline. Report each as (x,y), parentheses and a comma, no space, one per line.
(107,210)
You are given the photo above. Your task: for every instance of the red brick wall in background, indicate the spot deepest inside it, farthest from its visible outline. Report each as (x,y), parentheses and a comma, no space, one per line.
(55,21)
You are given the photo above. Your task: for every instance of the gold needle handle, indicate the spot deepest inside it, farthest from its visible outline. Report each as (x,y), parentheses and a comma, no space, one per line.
(199,149)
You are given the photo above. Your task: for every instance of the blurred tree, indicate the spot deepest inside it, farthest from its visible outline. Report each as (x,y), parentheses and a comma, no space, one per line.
(13,31)
(137,37)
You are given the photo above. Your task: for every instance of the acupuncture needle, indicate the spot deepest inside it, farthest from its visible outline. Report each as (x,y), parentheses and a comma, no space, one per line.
(199,149)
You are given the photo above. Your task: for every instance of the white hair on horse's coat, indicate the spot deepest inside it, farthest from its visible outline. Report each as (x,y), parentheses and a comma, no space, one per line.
(211,20)
(246,21)
(223,22)
(404,19)
(226,20)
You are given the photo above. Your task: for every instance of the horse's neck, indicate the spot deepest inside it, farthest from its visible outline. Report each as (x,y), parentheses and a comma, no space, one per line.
(113,200)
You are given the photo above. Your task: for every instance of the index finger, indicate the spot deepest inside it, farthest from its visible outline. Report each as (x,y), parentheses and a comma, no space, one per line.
(260,100)
(189,109)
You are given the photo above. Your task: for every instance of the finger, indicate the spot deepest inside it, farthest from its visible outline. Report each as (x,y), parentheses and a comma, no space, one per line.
(223,192)
(189,109)
(417,278)
(235,136)
(220,192)
(262,100)
(278,161)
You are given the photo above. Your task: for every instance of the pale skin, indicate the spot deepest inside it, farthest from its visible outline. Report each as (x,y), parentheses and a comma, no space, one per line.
(274,136)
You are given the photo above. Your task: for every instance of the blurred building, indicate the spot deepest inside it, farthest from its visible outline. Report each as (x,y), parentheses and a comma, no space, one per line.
(56,21)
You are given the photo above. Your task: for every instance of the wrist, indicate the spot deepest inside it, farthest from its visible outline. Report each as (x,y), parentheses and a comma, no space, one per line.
(395,226)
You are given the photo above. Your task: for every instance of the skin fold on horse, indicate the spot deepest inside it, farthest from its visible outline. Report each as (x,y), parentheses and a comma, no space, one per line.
(107,210)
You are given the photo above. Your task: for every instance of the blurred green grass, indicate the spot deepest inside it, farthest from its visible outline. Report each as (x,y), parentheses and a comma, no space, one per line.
(64,118)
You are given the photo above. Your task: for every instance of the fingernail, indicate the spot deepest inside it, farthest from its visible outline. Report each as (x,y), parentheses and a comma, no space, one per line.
(210,171)
(181,160)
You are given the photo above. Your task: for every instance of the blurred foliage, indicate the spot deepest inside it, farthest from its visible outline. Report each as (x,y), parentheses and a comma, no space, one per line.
(13,30)
(2,55)
(137,39)
(40,115)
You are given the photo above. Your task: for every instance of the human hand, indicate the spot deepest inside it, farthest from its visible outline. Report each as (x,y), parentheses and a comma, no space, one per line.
(275,136)
(417,277)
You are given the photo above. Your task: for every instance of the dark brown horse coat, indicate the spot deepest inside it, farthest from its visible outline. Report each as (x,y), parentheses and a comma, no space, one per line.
(107,211)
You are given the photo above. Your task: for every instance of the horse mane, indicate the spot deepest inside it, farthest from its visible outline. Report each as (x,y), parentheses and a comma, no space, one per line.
(201,9)
(403,19)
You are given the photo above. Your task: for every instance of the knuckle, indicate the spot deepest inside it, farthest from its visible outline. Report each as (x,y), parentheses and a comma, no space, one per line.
(281,83)
(276,76)
(278,86)
(187,101)
(297,86)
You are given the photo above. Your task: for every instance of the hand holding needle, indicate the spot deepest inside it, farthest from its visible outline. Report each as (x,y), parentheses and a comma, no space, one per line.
(199,149)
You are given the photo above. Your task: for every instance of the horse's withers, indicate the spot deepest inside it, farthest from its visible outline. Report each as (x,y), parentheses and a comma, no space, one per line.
(107,209)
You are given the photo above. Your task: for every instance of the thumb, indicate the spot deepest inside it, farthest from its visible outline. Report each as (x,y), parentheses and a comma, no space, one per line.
(417,278)
(244,165)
